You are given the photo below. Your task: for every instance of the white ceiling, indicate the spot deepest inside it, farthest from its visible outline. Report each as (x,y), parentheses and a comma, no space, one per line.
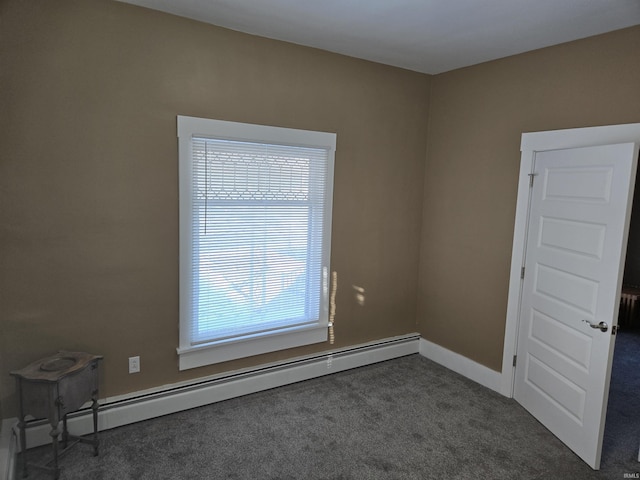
(429,36)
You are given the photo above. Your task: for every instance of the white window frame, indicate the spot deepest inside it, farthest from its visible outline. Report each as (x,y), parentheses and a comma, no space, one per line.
(195,355)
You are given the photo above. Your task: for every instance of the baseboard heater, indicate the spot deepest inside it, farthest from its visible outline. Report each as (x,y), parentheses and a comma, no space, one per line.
(123,410)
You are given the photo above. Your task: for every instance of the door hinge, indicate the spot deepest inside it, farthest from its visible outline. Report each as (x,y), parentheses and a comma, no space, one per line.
(531,177)
(515,358)
(522,272)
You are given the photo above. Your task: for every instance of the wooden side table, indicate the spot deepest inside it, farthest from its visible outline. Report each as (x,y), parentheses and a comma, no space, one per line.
(53,387)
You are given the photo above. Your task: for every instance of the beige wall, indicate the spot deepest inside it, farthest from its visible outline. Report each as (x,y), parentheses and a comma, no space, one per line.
(89,95)
(476,118)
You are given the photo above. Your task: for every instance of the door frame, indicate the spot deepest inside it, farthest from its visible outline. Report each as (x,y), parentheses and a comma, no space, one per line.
(530,144)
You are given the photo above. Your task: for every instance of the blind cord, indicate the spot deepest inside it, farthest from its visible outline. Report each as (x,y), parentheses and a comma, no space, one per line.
(206,185)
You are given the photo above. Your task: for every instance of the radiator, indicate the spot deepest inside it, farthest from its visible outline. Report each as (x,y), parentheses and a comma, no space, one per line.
(628,308)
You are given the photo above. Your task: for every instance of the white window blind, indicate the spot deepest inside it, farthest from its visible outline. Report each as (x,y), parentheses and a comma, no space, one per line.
(255,225)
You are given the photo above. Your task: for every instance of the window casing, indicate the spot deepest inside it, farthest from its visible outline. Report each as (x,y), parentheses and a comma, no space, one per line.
(255,229)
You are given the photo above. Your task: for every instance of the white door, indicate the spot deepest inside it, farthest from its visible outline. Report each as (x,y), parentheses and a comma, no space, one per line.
(575,246)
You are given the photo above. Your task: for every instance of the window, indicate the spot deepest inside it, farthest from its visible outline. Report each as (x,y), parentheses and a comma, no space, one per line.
(255,227)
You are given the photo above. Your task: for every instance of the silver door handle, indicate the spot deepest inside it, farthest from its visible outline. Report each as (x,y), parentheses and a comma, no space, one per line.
(602,325)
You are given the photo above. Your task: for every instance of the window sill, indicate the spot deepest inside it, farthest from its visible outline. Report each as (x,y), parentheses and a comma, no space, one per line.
(218,352)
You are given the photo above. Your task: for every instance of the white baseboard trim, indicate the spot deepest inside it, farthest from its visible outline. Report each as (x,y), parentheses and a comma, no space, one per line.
(462,365)
(8,449)
(124,410)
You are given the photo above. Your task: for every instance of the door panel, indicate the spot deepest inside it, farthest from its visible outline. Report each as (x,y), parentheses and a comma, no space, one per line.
(580,238)
(578,224)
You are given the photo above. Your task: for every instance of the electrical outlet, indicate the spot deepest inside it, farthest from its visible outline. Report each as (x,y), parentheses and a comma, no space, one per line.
(134,364)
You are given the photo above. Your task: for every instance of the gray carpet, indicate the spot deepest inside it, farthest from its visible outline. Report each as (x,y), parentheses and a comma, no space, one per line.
(622,431)
(407,418)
